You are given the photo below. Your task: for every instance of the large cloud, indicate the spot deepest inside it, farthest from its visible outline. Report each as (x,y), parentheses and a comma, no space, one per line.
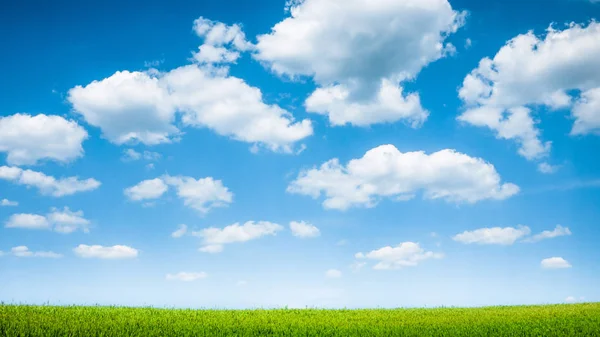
(133,106)
(558,70)
(359,52)
(28,139)
(385,172)
(48,185)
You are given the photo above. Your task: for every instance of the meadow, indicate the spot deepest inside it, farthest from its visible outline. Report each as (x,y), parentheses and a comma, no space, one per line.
(548,320)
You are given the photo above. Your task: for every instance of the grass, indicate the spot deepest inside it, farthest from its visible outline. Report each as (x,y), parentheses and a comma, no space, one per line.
(549,320)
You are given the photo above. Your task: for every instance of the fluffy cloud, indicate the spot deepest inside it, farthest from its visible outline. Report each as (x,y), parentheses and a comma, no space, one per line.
(531,72)
(493,236)
(27,221)
(359,52)
(23,251)
(558,231)
(8,203)
(222,43)
(147,189)
(62,221)
(213,239)
(333,273)
(201,194)
(28,139)
(406,254)
(186,276)
(304,230)
(102,252)
(143,107)
(385,172)
(181,230)
(555,263)
(48,185)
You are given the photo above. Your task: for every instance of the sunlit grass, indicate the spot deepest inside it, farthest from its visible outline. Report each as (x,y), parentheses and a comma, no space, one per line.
(550,320)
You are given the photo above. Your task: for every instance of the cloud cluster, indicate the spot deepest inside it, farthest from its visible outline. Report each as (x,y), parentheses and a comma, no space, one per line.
(213,239)
(29,139)
(406,254)
(560,70)
(47,185)
(385,172)
(359,52)
(200,194)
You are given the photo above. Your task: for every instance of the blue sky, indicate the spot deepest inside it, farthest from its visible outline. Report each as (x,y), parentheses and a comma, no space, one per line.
(375,154)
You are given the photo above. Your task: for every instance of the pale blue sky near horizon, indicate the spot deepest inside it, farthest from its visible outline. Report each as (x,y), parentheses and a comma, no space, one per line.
(53,47)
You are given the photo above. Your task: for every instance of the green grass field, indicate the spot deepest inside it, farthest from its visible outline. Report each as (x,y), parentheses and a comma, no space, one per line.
(550,320)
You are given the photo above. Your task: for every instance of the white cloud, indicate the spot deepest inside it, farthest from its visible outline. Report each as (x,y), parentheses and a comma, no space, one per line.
(142,107)
(23,251)
(558,231)
(28,139)
(304,230)
(186,276)
(333,273)
(48,185)
(493,236)
(468,43)
(385,172)
(573,299)
(406,254)
(359,52)
(27,221)
(547,168)
(67,221)
(213,238)
(62,221)
(181,230)
(102,252)
(8,203)
(128,107)
(147,189)
(530,72)
(201,194)
(555,263)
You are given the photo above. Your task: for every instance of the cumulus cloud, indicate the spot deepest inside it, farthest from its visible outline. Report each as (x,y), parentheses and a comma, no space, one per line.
(304,230)
(181,230)
(333,273)
(147,189)
(186,276)
(213,239)
(143,106)
(23,251)
(406,254)
(555,263)
(385,172)
(558,231)
(47,185)
(102,252)
(62,221)
(531,72)
(8,203)
(201,194)
(27,139)
(359,52)
(493,236)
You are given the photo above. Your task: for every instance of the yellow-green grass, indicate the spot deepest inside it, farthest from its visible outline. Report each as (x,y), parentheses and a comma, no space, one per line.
(549,320)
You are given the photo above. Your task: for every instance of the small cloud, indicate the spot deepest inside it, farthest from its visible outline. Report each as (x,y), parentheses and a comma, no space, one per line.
(341,243)
(333,273)
(153,63)
(357,266)
(23,251)
(493,236)
(214,238)
(101,252)
(304,229)
(406,254)
(468,43)
(8,203)
(241,283)
(211,249)
(180,231)
(555,263)
(186,276)
(433,234)
(547,168)
(558,231)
